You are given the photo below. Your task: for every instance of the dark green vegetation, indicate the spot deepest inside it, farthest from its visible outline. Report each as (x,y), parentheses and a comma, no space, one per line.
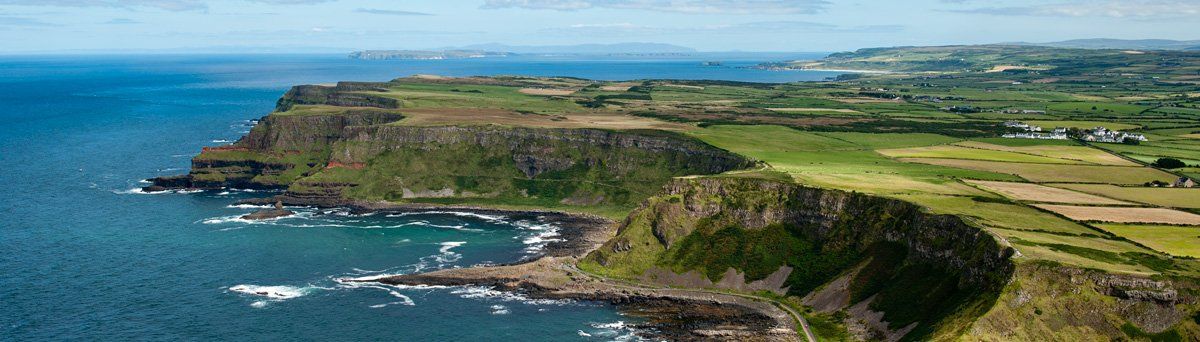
(1169,163)
(758,253)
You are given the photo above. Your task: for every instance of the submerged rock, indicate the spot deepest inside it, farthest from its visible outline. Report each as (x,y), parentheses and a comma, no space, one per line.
(265,214)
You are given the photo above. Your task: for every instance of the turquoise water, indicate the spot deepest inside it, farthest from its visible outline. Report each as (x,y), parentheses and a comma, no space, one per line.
(84,257)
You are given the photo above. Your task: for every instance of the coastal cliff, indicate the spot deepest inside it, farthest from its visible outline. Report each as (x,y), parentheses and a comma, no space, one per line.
(903,271)
(361,153)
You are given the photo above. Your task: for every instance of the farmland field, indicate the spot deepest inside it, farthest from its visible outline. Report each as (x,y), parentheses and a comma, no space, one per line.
(1057,172)
(1076,153)
(961,152)
(998,215)
(1173,240)
(1041,193)
(1123,214)
(836,161)
(1166,197)
(1049,124)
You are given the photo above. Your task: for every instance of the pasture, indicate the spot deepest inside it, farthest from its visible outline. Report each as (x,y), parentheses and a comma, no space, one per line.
(1173,240)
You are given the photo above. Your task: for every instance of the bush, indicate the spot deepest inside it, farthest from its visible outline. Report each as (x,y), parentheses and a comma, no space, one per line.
(1169,163)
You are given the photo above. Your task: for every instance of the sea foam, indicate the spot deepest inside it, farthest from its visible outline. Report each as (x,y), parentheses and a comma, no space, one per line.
(278,292)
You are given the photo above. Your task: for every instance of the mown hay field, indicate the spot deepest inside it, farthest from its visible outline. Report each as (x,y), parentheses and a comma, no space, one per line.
(960,152)
(1166,197)
(1123,214)
(1076,153)
(1041,193)
(1056,172)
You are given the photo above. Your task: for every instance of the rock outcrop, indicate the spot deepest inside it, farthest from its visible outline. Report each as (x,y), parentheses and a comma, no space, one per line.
(267,214)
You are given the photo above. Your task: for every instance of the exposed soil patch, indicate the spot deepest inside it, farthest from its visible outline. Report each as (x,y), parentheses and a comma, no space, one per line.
(834,110)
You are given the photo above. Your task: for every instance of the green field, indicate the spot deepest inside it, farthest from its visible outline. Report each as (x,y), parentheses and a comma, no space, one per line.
(1173,240)
(1046,125)
(822,160)
(1166,197)
(962,152)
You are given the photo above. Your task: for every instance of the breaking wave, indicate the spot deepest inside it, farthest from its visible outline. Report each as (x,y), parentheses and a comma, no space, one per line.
(613,331)
(140,191)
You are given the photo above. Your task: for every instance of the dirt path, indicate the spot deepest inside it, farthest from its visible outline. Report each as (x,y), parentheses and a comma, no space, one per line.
(808,334)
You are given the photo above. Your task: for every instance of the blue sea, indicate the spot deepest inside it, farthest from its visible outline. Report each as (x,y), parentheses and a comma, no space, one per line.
(84,256)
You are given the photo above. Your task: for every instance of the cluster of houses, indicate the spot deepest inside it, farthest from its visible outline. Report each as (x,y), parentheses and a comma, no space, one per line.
(1034,132)
(969,109)
(1101,134)
(1098,134)
(1023,111)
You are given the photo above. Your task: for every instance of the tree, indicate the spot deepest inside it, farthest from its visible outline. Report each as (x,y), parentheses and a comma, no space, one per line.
(1169,163)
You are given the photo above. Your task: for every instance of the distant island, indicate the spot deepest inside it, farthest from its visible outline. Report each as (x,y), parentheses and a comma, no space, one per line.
(424,55)
(502,50)
(587,49)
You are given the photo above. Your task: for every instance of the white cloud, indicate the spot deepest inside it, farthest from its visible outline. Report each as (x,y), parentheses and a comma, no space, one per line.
(170,5)
(122,21)
(1141,9)
(22,21)
(389,12)
(681,6)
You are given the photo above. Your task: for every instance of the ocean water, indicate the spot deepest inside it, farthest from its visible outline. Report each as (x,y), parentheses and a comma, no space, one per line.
(83,256)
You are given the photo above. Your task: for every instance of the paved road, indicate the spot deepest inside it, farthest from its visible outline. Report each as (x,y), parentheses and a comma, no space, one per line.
(808,334)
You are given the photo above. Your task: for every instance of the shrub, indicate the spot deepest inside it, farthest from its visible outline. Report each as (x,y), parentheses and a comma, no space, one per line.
(1169,163)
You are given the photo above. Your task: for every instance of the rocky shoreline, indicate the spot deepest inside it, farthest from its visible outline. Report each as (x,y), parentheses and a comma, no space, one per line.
(671,314)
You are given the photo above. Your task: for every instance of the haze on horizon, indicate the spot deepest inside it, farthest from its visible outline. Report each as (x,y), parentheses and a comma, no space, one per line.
(32,26)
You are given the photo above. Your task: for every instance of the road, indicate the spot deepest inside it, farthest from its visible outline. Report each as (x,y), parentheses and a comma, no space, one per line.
(808,334)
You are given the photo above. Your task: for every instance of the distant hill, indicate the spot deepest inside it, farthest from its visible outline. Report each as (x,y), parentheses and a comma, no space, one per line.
(586,49)
(1006,59)
(1127,44)
(424,54)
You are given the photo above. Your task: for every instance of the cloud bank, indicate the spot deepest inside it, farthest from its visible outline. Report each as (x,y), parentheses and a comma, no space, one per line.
(679,6)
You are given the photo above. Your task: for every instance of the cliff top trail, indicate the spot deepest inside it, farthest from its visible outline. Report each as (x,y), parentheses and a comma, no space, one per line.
(901,206)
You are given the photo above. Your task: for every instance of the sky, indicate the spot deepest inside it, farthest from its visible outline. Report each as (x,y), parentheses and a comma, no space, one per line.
(38,26)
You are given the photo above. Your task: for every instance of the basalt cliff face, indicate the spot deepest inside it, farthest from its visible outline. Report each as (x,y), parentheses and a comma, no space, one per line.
(899,270)
(360,153)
